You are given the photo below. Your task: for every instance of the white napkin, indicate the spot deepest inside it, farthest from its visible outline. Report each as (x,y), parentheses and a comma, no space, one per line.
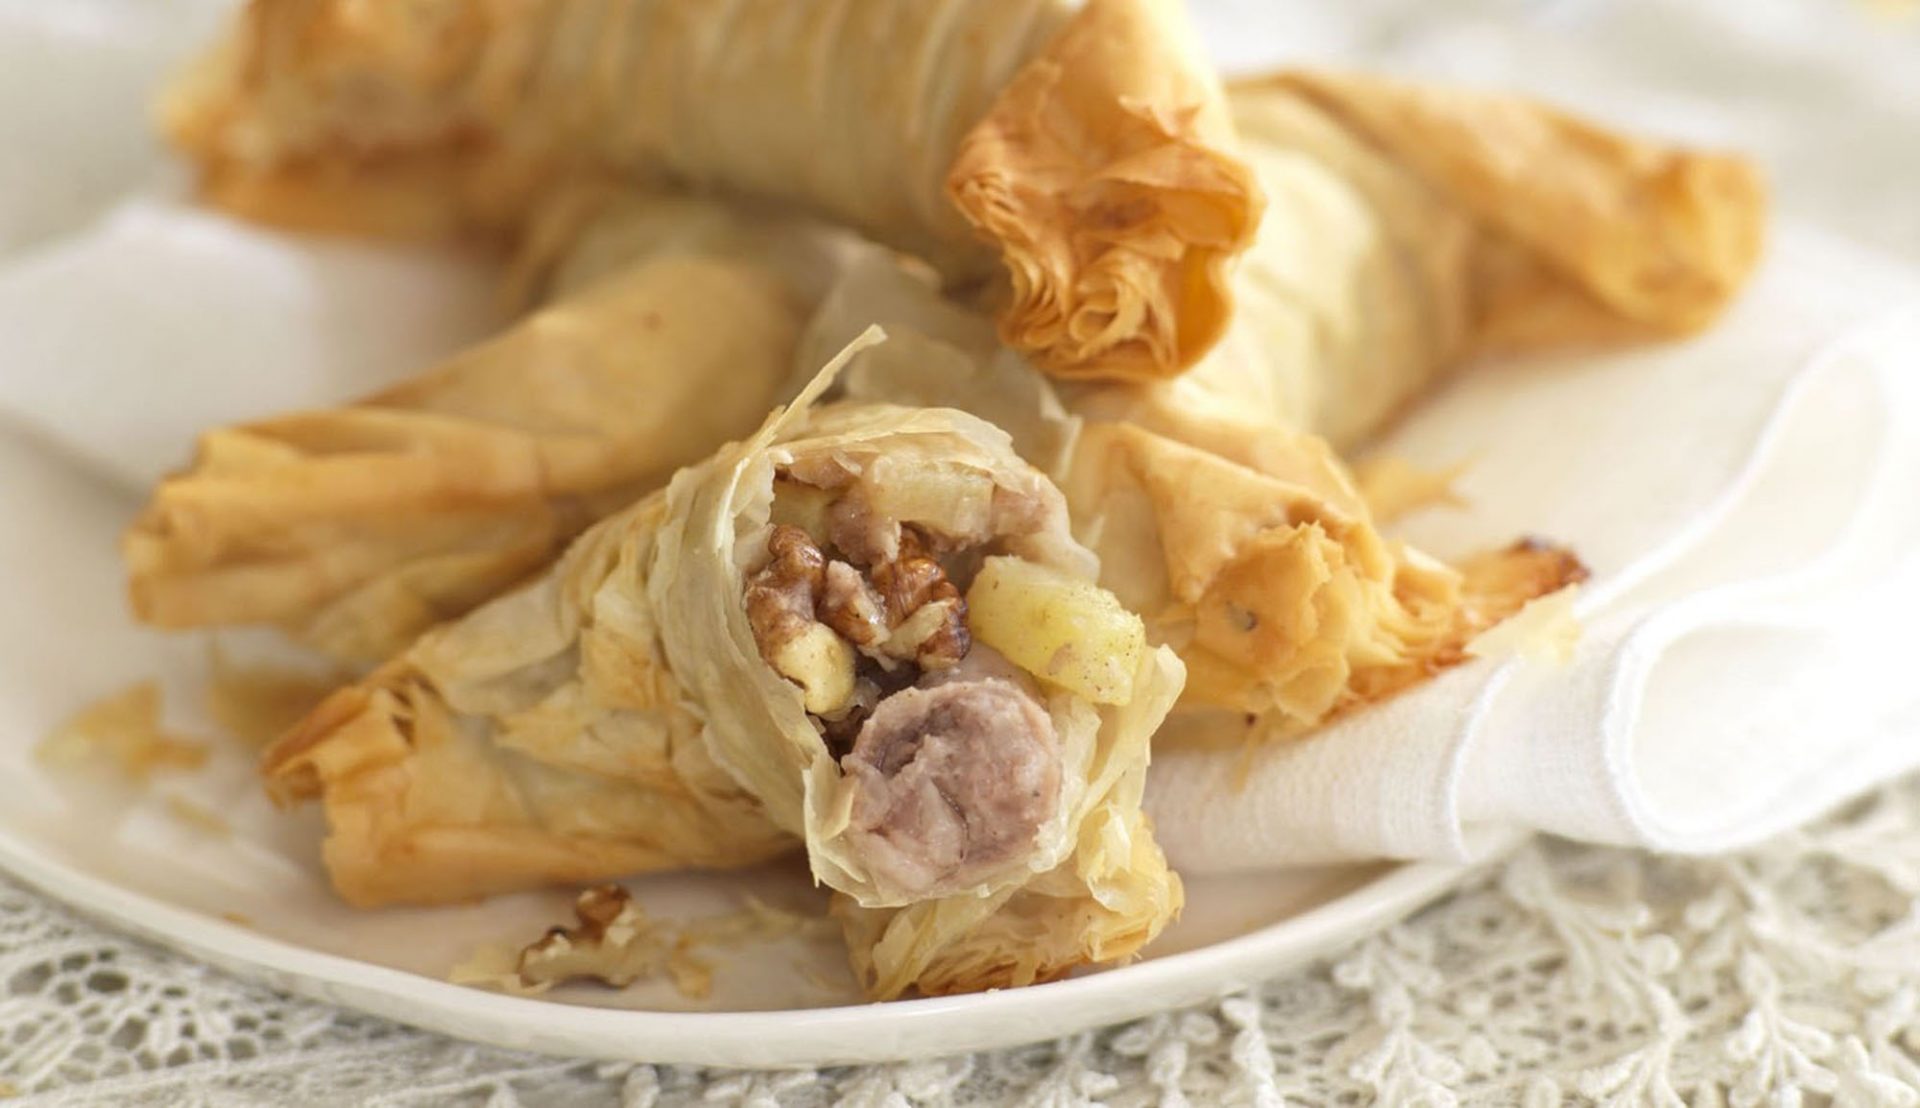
(76,85)
(121,344)
(130,322)
(1750,504)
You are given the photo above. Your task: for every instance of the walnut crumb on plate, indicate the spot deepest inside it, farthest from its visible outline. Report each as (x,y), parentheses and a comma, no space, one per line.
(615,943)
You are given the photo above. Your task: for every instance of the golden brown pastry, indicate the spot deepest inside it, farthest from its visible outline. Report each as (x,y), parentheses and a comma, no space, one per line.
(1265,570)
(1245,544)
(1405,219)
(525,746)
(866,629)
(356,528)
(1419,224)
(1083,147)
(1408,227)
(1412,226)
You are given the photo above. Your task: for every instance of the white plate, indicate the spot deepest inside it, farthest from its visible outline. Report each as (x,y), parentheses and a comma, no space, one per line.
(255,902)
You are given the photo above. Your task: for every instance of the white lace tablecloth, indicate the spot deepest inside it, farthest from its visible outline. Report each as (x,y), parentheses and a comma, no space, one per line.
(1567,974)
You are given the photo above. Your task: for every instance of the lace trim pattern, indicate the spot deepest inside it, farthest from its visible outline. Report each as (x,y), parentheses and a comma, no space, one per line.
(1569,974)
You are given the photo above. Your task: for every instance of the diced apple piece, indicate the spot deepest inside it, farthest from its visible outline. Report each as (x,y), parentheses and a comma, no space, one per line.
(1063,630)
(821,663)
(953,501)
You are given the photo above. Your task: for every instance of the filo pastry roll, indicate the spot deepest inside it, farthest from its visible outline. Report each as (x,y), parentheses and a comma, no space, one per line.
(1082,150)
(356,528)
(874,621)
(1412,226)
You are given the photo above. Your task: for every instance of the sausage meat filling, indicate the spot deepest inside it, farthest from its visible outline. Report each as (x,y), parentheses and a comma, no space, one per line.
(951,782)
(952,757)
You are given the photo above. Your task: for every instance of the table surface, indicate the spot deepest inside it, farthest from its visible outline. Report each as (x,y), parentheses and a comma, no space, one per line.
(1570,973)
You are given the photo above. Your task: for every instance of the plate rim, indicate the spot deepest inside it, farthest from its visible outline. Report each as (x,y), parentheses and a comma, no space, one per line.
(891,1031)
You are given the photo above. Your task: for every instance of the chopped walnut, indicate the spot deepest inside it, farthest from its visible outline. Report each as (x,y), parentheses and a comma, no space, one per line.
(852,606)
(614,943)
(808,614)
(924,609)
(910,580)
(909,612)
(780,600)
(935,636)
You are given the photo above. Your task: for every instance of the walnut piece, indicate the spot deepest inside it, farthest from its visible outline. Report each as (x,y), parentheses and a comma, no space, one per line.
(808,615)
(781,599)
(614,943)
(935,636)
(852,606)
(925,612)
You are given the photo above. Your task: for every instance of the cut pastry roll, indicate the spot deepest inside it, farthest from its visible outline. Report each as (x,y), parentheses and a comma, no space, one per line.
(1245,544)
(1099,889)
(1082,150)
(1241,539)
(989,786)
(356,528)
(866,630)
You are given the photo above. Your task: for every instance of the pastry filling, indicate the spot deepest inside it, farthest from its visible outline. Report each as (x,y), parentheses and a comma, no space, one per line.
(951,781)
(861,599)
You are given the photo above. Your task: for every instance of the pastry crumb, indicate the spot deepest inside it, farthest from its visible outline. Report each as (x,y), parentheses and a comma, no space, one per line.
(237,919)
(615,943)
(198,816)
(811,975)
(692,976)
(1545,629)
(122,731)
(258,703)
(495,966)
